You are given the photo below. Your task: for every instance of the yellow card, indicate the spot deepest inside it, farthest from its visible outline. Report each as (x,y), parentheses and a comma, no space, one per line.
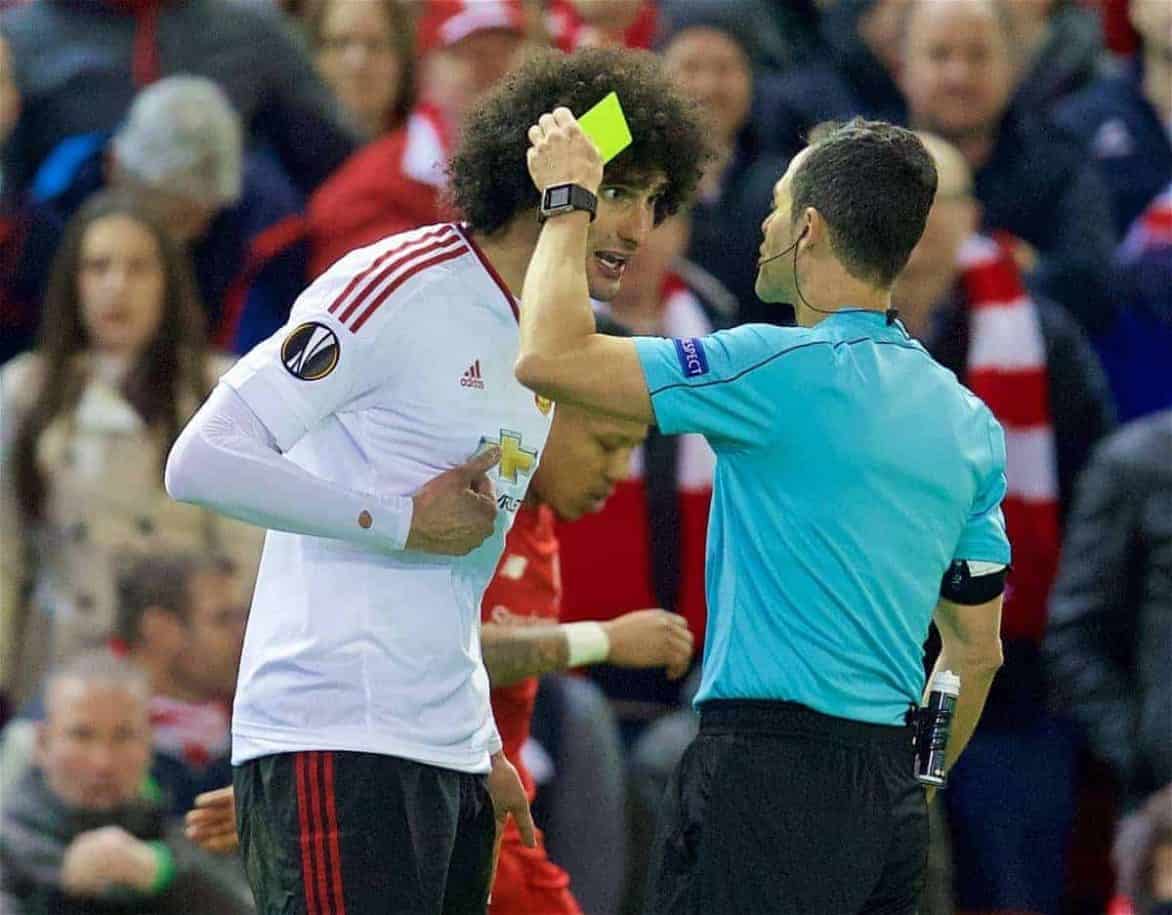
(606,125)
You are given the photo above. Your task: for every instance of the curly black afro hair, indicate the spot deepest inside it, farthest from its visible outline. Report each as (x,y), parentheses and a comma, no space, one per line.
(490,180)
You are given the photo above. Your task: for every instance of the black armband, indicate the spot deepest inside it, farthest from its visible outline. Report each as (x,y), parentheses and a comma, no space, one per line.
(962,584)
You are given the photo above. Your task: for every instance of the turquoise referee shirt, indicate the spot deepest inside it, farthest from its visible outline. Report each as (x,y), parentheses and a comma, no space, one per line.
(851,470)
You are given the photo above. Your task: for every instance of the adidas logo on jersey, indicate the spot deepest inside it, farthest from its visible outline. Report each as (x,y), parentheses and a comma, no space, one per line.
(471,378)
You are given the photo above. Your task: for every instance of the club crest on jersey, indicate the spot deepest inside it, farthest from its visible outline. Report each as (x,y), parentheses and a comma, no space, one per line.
(310,352)
(515,459)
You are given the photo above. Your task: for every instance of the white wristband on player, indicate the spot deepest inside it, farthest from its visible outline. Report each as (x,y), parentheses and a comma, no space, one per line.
(588,643)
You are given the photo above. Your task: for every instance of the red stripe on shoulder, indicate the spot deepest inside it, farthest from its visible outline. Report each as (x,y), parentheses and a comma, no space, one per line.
(407,259)
(403,277)
(360,277)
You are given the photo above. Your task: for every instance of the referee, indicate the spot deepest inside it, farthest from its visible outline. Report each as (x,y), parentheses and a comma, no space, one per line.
(857,497)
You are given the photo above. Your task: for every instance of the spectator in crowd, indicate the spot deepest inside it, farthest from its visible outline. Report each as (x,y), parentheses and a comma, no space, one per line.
(103,52)
(1109,642)
(397,182)
(708,50)
(81,834)
(1032,182)
(180,150)
(1143,858)
(1057,45)
(365,52)
(1139,345)
(962,295)
(574,24)
(854,72)
(1125,118)
(88,418)
(181,619)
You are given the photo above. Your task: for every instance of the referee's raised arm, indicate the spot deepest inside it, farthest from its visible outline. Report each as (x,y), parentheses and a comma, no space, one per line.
(561,357)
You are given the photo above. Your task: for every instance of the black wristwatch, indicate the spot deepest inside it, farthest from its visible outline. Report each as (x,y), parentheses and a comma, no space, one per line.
(565,198)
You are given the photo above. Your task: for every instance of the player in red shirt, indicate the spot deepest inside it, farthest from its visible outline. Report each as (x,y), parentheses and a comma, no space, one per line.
(585,456)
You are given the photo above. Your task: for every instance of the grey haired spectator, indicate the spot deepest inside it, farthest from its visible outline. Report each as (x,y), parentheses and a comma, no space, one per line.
(80,834)
(180,151)
(181,148)
(103,52)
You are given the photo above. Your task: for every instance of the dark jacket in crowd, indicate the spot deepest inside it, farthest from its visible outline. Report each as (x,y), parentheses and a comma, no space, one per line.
(1067,61)
(1039,186)
(79,64)
(36,829)
(1137,350)
(726,233)
(1109,642)
(1126,138)
(250,266)
(844,80)
(1082,412)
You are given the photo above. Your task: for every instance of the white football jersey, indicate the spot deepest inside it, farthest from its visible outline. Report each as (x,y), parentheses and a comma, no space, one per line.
(395,365)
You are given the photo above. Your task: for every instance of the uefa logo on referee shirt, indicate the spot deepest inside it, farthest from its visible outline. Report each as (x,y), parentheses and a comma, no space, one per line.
(310,352)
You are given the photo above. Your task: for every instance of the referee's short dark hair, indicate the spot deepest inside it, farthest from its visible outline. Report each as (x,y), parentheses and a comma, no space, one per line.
(873,183)
(161,580)
(489,177)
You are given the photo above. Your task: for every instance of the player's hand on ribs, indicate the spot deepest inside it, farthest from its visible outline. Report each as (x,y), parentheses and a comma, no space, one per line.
(560,153)
(650,638)
(456,512)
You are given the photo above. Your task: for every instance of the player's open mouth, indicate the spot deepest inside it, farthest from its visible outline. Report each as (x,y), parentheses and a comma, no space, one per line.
(611,263)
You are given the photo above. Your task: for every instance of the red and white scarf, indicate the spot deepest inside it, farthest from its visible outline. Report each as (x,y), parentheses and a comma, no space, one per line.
(1006,368)
(1152,231)
(198,733)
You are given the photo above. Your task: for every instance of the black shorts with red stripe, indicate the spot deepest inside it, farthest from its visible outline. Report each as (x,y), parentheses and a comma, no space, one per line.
(326,833)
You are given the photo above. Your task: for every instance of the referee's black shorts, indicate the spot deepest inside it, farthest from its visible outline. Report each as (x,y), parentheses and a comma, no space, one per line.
(327,833)
(776,809)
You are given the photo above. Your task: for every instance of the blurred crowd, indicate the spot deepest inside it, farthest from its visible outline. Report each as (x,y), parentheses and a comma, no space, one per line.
(175,172)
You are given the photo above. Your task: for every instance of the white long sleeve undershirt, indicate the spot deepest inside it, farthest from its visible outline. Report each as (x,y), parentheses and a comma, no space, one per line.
(227,460)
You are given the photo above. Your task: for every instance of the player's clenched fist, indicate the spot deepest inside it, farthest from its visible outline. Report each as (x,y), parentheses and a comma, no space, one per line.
(455,512)
(560,153)
(650,638)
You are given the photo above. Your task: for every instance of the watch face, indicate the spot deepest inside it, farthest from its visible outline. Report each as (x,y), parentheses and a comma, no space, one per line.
(557,197)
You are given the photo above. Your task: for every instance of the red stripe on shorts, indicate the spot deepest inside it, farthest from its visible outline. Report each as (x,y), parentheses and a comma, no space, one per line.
(307,881)
(335,851)
(317,822)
